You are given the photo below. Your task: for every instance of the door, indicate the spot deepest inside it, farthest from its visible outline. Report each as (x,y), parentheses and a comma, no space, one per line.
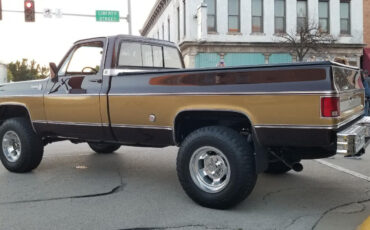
(72,103)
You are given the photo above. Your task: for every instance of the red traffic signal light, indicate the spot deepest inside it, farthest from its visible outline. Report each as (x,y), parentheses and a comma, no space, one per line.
(28,4)
(29,10)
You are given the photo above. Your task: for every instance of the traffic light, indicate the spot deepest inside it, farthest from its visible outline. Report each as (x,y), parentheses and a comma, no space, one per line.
(29,10)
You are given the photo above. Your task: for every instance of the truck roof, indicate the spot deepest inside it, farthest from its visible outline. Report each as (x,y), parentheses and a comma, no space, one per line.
(134,38)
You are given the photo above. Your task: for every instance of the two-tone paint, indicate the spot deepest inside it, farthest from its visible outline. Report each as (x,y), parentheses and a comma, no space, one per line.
(138,106)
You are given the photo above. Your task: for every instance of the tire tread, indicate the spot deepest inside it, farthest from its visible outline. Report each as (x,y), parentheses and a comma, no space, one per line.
(246,175)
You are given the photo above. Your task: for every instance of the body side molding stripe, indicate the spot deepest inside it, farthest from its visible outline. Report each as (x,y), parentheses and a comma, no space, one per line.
(103,124)
(228,93)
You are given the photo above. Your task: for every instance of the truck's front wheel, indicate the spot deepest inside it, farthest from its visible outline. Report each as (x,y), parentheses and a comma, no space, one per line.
(21,148)
(104,148)
(216,167)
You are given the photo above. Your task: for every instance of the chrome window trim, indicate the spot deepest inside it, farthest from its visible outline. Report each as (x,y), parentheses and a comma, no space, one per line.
(116,72)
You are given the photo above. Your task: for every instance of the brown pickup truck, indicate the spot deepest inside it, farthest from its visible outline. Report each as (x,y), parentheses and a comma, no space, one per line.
(230,123)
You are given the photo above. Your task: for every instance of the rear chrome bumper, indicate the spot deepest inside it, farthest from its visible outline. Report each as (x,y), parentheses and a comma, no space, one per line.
(355,138)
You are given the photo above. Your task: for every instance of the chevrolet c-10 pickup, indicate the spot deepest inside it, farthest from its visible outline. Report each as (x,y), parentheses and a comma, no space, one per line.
(230,124)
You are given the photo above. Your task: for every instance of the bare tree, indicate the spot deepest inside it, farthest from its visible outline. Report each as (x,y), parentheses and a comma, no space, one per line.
(309,38)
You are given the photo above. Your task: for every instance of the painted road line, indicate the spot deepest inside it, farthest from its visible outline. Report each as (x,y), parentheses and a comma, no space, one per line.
(365,225)
(341,169)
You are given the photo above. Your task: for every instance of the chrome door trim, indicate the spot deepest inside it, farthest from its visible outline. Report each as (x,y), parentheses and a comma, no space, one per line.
(141,126)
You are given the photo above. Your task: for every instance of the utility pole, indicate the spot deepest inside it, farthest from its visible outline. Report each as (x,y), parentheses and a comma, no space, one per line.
(1,12)
(129,17)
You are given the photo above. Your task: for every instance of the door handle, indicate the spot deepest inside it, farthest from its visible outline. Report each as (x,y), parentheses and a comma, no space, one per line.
(96,80)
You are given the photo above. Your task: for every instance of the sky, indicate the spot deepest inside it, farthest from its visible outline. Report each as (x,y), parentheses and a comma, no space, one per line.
(49,39)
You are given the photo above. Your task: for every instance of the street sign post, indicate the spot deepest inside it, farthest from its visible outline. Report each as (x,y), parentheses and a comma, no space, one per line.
(107,16)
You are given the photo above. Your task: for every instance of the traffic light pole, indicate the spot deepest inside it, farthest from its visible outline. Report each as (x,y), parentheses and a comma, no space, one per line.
(64,14)
(128,17)
(1,12)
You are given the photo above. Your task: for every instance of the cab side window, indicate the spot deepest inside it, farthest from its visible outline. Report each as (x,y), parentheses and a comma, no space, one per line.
(133,54)
(85,59)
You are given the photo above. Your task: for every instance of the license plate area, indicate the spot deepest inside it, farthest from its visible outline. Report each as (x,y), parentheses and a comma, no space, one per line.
(354,139)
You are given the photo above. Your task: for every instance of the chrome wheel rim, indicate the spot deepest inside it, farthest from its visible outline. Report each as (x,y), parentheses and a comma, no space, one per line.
(11,145)
(210,169)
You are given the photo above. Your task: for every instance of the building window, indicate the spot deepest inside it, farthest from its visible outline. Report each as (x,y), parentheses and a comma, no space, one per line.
(169,29)
(279,16)
(234,15)
(301,15)
(211,15)
(324,16)
(345,19)
(162,31)
(178,24)
(184,5)
(257,16)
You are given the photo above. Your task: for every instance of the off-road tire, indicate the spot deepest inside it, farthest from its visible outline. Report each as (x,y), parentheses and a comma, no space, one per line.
(32,148)
(104,148)
(240,155)
(277,167)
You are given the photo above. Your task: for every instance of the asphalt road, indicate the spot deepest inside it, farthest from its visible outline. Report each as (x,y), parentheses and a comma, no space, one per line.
(137,188)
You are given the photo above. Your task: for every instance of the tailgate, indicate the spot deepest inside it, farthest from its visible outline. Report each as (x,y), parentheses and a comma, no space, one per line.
(348,83)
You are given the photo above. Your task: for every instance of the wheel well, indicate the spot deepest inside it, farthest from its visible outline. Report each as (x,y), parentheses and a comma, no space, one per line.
(189,121)
(11,111)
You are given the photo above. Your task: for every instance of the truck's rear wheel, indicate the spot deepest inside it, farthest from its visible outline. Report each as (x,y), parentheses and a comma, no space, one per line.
(104,148)
(21,148)
(216,167)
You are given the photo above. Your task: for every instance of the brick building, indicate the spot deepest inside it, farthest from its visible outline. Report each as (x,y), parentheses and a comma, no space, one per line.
(366,57)
(367,22)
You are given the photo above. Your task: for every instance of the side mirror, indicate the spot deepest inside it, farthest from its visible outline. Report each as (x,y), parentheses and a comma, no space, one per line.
(53,71)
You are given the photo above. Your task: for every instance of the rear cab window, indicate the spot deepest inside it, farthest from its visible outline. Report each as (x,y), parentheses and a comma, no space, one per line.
(148,56)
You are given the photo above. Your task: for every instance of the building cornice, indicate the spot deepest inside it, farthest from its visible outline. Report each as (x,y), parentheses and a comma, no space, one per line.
(155,13)
(186,44)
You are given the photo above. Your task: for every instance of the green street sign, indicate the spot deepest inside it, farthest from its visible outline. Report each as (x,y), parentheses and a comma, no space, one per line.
(107,16)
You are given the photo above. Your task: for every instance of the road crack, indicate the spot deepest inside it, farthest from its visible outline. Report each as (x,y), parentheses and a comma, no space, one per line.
(293,222)
(336,207)
(180,227)
(264,198)
(116,189)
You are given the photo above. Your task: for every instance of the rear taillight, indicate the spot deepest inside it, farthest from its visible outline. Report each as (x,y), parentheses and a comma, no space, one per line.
(330,106)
